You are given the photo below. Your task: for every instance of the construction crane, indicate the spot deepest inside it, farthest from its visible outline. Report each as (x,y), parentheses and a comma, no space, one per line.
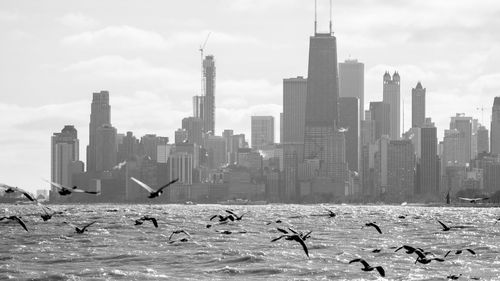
(202,47)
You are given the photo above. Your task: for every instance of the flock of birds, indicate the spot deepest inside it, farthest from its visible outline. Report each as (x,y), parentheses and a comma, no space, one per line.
(288,234)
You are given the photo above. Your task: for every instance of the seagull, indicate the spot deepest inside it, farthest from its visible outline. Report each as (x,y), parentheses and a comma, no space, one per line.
(473,200)
(458,252)
(453,277)
(147,218)
(301,235)
(15,218)
(367,267)
(177,232)
(375,226)
(236,217)
(331,214)
(223,218)
(425,260)
(12,189)
(153,193)
(445,227)
(294,237)
(48,216)
(376,250)
(83,229)
(402,217)
(64,190)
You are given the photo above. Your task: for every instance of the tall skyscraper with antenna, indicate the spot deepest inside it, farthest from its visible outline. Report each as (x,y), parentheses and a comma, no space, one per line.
(321,116)
(209,99)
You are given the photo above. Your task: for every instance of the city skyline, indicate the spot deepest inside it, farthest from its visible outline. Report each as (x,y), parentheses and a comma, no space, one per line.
(142,111)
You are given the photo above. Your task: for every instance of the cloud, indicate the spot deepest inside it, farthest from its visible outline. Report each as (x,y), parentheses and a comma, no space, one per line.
(78,21)
(124,36)
(8,16)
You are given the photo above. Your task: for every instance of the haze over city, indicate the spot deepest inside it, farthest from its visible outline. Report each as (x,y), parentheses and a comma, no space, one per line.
(55,55)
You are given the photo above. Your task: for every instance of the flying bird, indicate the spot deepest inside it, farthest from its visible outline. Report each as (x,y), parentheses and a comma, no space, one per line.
(427,260)
(64,190)
(83,229)
(178,232)
(367,267)
(153,193)
(147,218)
(236,217)
(374,225)
(473,200)
(17,219)
(47,216)
(459,251)
(12,189)
(453,277)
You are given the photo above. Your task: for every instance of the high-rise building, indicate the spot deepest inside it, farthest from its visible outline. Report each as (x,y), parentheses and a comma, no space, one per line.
(352,82)
(495,127)
(100,114)
(106,148)
(262,131)
(483,144)
(181,167)
(392,96)
(194,128)
(181,136)
(198,106)
(417,105)
(216,149)
(381,114)
(209,99)
(64,152)
(401,169)
(452,154)
(464,126)
(428,170)
(321,116)
(149,145)
(349,120)
(294,109)
(128,148)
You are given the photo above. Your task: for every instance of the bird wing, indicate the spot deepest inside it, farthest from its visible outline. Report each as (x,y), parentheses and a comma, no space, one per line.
(230,212)
(291,229)
(465,199)
(471,251)
(438,259)
(447,253)
(420,254)
(302,243)
(282,230)
(362,261)
(83,228)
(399,248)
(155,223)
(55,184)
(278,238)
(165,186)
(21,223)
(213,217)
(145,186)
(28,195)
(185,232)
(376,227)
(380,270)
(442,224)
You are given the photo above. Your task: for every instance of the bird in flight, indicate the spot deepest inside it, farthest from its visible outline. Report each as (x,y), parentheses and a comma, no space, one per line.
(236,217)
(367,267)
(64,190)
(12,189)
(17,219)
(473,200)
(178,232)
(375,226)
(445,227)
(153,193)
(293,237)
(83,229)
(459,251)
(147,218)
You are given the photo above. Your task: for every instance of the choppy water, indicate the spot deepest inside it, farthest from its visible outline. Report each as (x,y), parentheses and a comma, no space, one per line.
(115,249)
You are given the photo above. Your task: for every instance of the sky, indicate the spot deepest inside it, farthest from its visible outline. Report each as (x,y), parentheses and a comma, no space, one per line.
(54,54)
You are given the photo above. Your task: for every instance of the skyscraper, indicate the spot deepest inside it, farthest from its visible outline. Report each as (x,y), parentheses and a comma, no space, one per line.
(321,116)
(209,99)
(381,115)
(483,144)
(428,163)
(294,109)
(495,127)
(417,105)
(106,148)
(352,82)
(198,106)
(464,125)
(64,151)
(401,169)
(100,114)
(392,96)
(348,119)
(262,131)
(194,128)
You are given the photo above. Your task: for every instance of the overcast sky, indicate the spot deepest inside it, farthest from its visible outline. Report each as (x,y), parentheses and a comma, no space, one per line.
(54,54)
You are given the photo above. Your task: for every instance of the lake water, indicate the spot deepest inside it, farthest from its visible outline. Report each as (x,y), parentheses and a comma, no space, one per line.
(116,249)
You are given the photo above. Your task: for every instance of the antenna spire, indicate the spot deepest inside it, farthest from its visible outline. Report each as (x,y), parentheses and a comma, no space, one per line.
(330,16)
(315,16)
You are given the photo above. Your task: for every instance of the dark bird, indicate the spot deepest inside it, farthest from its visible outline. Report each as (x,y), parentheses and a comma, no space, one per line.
(230,232)
(473,200)
(153,193)
(138,222)
(178,232)
(453,277)
(367,267)
(402,217)
(12,189)
(148,218)
(331,214)
(236,217)
(17,219)
(425,260)
(64,190)
(46,215)
(294,237)
(222,218)
(375,226)
(83,229)
(445,227)
(458,252)
(376,250)
(291,230)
